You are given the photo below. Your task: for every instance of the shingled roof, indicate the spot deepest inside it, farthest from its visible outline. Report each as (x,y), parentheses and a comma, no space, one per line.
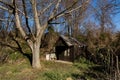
(70,41)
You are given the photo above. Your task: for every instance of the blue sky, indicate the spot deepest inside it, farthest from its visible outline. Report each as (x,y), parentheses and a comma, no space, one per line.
(115,17)
(117,22)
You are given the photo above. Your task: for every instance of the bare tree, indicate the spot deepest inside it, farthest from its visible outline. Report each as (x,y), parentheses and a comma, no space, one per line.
(75,18)
(104,12)
(39,12)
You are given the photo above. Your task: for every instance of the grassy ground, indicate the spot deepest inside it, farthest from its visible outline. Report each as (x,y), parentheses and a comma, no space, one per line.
(51,70)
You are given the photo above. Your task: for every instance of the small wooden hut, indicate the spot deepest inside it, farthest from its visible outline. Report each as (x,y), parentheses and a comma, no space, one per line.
(68,48)
(61,47)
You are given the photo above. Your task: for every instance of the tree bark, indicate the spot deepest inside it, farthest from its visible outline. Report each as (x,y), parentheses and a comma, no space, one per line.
(36,55)
(35,49)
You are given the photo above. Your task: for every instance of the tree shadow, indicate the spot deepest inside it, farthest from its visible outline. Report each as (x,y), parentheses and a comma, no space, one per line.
(28,56)
(77,76)
(96,72)
(99,68)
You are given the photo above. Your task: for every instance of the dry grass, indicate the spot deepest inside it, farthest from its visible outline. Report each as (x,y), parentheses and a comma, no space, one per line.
(51,70)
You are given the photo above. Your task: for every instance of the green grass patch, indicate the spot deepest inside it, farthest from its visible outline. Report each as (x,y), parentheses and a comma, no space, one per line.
(51,70)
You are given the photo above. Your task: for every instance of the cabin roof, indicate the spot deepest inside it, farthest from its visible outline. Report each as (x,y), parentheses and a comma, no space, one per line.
(70,41)
(66,40)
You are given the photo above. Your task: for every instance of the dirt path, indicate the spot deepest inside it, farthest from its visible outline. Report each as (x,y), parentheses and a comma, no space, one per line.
(66,62)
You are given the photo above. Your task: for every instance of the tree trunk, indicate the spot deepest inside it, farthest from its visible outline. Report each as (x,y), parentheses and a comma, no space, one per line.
(36,55)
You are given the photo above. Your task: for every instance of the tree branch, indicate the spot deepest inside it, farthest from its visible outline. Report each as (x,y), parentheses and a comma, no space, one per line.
(55,9)
(11,8)
(26,19)
(4,20)
(4,8)
(8,45)
(36,18)
(18,44)
(46,8)
(17,22)
(63,12)
(53,17)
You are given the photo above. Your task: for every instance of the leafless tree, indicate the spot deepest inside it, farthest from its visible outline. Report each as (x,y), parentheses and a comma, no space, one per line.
(32,17)
(75,18)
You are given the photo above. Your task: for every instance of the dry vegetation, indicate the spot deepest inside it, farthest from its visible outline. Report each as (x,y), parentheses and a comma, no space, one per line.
(23,23)
(20,69)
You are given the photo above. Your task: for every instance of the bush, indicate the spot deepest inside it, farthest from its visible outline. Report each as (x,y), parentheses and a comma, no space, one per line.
(83,63)
(83,60)
(56,75)
(15,56)
(53,76)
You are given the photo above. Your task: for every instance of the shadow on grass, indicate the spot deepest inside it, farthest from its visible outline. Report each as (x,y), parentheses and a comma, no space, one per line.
(99,68)
(77,76)
(28,56)
(96,72)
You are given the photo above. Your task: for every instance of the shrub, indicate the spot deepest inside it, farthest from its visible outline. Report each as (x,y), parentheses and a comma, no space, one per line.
(15,56)
(53,76)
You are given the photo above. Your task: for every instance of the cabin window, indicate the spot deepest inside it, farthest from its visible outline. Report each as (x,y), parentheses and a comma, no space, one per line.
(54,49)
(67,52)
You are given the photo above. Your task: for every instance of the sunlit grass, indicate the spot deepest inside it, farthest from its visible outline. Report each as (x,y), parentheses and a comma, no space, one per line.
(51,70)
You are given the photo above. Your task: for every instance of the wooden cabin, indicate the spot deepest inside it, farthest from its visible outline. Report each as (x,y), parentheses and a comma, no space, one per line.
(61,47)
(67,48)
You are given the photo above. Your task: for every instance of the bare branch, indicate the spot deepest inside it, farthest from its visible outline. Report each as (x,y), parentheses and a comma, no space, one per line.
(36,18)
(4,20)
(46,8)
(55,9)
(63,12)
(25,11)
(8,45)
(4,8)
(11,8)
(17,22)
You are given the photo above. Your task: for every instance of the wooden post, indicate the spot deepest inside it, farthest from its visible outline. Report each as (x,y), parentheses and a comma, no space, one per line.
(117,68)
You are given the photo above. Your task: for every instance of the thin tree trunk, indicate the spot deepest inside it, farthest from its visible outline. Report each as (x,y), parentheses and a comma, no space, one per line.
(117,67)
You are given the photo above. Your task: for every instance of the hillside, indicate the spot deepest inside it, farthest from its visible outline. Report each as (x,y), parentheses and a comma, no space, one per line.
(51,70)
